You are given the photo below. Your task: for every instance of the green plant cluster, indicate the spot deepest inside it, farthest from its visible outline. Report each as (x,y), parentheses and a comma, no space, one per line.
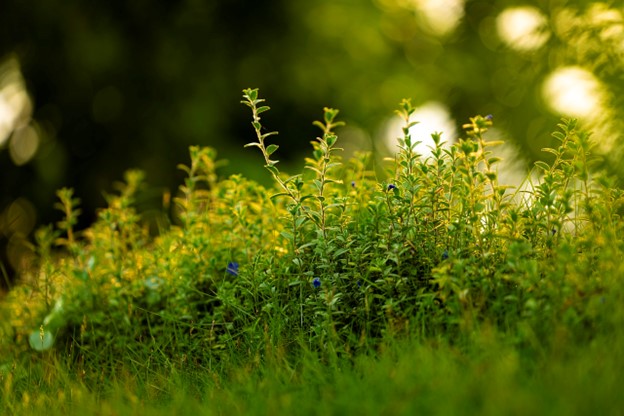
(334,260)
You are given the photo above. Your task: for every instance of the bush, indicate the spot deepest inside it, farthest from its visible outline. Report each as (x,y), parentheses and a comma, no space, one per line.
(333,260)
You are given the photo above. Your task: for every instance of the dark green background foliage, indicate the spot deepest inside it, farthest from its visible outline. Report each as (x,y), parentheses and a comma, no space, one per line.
(118,85)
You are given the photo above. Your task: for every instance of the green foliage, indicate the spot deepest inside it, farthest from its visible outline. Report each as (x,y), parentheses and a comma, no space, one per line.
(92,118)
(333,262)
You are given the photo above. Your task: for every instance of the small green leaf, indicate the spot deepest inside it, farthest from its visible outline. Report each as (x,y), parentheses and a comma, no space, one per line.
(330,114)
(493,143)
(549,150)
(271,168)
(313,169)
(252,94)
(542,165)
(81,275)
(271,133)
(319,125)
(271,149)
(331,139)
(181,166)
(279,194)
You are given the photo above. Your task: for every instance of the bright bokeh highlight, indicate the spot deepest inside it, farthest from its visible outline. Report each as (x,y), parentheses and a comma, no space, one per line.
(522,28)
(574,91)
(441,17)
(15,114)
(432,117)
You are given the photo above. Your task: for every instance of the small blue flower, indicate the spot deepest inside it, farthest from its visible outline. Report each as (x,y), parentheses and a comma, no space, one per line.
(232,268)
(489,117)
(359,283)
(391,186)
(352,184)
(445,255)
(316,282)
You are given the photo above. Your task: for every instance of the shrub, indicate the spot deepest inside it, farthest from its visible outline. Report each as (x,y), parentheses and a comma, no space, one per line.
(333,259)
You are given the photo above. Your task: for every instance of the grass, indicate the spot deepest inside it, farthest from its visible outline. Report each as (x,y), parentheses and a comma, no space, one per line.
(406,378)
(429,288)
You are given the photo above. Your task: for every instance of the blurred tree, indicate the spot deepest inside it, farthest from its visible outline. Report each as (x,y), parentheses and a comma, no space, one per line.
(115,85)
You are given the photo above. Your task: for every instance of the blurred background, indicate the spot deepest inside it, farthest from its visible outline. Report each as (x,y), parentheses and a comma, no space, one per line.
(90,89)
